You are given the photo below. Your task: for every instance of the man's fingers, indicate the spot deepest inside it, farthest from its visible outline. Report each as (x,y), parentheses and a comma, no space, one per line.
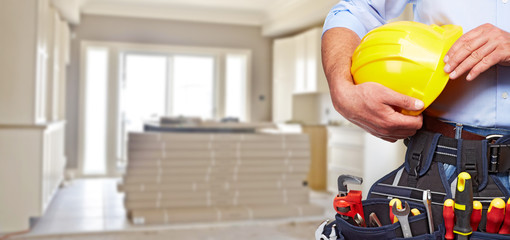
(461,42)
(464,49)
(402,101)
(483,65)
(476,51)
(479,56)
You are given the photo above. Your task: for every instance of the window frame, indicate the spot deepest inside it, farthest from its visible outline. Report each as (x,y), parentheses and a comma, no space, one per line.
(116,62)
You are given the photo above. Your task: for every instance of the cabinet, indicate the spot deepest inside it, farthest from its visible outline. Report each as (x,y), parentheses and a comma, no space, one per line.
(345,153)
(32,65)
(283,80)
(297,70)
(309,75)
(318,151)
(353,151)
(32,118)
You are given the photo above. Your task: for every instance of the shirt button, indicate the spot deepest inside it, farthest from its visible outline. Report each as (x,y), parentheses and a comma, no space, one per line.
(504,95)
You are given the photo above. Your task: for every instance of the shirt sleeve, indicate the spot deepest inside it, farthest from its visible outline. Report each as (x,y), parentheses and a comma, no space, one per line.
(362,16)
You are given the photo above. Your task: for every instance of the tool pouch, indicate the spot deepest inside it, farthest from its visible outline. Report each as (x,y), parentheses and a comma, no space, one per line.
(424,168)
(488,236)
(430,159)
(347,229)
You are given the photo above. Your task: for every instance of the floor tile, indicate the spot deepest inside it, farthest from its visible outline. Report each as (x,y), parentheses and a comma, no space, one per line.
(92,206)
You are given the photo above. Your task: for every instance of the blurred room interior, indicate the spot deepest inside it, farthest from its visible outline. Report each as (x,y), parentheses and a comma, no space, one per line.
(163,119)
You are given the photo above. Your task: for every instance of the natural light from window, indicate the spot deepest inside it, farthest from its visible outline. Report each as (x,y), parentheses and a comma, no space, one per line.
(235,99)
(144,89)
(193,86)
(96,86)
(125,85)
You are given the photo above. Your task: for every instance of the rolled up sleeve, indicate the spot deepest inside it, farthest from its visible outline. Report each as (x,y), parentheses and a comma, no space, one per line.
(362,16)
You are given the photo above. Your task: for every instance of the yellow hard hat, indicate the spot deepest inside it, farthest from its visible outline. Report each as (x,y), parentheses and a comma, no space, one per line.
(406,57)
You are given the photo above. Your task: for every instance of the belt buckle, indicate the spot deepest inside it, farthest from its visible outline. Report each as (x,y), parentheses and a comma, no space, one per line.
(494,152)
(493,137)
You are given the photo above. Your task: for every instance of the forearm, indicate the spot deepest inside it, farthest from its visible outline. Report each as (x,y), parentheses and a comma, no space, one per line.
(338,45)
(369,105)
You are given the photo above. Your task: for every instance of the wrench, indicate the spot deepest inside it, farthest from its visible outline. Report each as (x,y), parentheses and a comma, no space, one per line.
(402,216)
(427,199)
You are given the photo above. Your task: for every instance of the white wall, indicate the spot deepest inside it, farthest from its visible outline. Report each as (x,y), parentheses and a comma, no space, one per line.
(381,158)
(17,65)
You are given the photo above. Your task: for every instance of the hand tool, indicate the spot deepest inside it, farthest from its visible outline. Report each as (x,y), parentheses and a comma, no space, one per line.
(348,203)
(449,218)
(463,206)
(393,219)
(359,220)
(476,215)
(495,215)
(427,201)
(320,229)
(415,212)
(505,229)
(373,220)
(402,215)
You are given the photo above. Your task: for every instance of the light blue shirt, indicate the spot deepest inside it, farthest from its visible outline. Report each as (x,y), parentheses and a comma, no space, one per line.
(483,102)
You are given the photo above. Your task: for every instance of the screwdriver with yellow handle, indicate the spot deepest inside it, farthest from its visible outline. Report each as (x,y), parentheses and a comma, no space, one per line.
(495,215)
(393,218)
(476,216)
(463,206)
(415,212)
(505,229)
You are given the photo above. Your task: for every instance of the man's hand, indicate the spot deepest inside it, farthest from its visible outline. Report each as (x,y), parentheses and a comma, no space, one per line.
(376,109)
(478,50)
(371,106)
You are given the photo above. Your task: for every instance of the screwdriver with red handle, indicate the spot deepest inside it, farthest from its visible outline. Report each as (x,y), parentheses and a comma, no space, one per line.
(505,229)
(476,215)
(495,215)
(393,218)
(449,218)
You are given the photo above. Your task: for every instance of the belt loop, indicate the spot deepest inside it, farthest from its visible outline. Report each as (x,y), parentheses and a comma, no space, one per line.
(458,130)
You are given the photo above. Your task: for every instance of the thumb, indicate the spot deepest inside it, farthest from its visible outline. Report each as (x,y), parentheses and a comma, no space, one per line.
(403,101)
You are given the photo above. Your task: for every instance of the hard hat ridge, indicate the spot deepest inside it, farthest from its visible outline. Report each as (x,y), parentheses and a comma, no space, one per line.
(406,57)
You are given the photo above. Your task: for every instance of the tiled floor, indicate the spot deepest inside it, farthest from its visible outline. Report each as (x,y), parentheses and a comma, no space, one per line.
(93,206)
(85,205)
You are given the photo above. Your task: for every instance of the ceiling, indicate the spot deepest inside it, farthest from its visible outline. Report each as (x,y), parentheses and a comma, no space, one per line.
(274,16)
(249,5)
(245,12)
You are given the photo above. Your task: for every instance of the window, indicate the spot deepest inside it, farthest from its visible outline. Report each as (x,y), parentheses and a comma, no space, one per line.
(236,91)
(126,84)
(95,104)
(143,94)
(192,82)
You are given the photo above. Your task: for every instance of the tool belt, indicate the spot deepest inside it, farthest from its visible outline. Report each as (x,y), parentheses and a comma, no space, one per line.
(428,155)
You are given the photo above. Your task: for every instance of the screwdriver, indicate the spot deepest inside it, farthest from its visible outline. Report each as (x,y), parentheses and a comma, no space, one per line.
(393,218)
(415,212)
(495,215)
(463,206)
(476,216)
(449,217)
(505,229)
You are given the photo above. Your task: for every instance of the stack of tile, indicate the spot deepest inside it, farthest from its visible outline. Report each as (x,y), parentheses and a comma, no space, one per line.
(183,177)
